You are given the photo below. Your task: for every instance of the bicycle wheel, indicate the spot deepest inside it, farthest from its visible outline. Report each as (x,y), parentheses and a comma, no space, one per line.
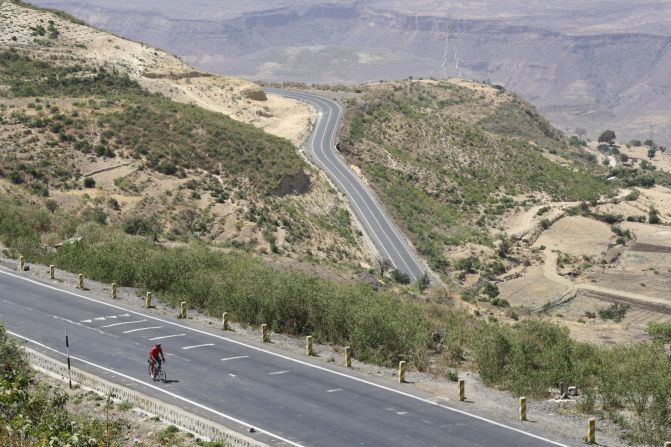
(161,375)
(150,372)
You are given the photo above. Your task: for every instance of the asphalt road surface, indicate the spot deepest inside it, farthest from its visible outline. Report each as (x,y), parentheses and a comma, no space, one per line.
(290,401)
(320,148)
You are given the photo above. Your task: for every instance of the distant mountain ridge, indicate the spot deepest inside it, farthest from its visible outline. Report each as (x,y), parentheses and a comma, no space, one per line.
(611,79)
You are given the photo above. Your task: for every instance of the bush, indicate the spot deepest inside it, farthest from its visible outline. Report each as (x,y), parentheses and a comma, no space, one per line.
(616,312)
(137,225)
(660,332)
(89,182)
(400,277)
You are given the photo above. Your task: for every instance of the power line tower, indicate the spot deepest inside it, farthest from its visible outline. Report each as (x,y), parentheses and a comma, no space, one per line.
(451,52)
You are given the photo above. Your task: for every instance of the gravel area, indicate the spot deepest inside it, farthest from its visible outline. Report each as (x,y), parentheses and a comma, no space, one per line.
(556,419)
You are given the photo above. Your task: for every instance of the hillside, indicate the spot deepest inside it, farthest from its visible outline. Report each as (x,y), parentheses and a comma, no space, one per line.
(450,158)
(112,132)
(560,55)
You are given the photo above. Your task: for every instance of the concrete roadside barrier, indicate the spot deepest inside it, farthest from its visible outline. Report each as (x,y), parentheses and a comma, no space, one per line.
(168,413)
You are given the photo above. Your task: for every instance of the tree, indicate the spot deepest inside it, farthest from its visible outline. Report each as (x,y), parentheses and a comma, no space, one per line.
(89,182)
(651,152)
(649,143)
(607,136)
(423,282)
(383,264)
(653,216)
(581,133)
(491,290)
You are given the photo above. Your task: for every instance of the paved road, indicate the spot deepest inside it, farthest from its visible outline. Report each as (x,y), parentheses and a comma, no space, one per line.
(295,401)
(320,148)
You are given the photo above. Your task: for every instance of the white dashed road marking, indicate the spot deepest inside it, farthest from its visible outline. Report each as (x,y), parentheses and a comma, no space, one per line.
(198,346)
(235,358)
(335,390)
(167,336)
(278,372)
(143,329)
(125,322)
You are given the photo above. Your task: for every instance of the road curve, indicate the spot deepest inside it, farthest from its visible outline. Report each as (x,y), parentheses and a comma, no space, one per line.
(294,401)
(320,148)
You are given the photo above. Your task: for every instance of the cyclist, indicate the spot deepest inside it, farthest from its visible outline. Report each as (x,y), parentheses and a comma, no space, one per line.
(155,356)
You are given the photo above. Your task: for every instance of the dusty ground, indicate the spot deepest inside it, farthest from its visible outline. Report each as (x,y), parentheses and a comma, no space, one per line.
(551,417)
(594,272)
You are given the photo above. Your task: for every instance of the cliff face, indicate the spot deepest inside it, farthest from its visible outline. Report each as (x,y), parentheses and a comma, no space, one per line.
(602,79)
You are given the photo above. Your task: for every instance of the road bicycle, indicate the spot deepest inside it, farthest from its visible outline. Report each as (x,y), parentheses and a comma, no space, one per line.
(158,373)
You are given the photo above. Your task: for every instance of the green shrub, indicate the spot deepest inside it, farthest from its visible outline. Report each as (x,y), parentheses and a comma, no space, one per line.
(660,332)
(89,182)
(616,312)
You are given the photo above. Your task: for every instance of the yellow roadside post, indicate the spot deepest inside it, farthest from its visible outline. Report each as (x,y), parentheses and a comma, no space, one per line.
(113,290)
(224,321)
(52,271)
(308,345)
(147,301)
(22,263)
(401,371)
(591,431)
(264,333)
(81,282)
(523,408)
(348,356)
(182,309)
(462,390)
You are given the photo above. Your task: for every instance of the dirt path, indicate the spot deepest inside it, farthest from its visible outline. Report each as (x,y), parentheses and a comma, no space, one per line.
(602,293)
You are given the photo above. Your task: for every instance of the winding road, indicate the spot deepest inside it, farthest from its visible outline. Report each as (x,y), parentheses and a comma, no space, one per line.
(292,401)
(320,148)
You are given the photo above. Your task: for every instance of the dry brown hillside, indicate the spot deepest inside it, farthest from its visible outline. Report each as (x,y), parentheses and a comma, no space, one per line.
(154,69)
(118,133)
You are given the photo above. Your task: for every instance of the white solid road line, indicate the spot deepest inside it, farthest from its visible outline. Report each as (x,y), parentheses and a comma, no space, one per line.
(235,358)
(143,329)
(169,393)
(125,322)
(291,359)
(344,172)
(167,336)
(198,346)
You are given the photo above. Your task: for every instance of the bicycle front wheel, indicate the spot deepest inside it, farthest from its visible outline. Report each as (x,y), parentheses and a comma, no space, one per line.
(162,376)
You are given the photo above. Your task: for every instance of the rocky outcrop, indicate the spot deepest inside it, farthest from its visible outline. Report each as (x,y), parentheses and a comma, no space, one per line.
(296,184)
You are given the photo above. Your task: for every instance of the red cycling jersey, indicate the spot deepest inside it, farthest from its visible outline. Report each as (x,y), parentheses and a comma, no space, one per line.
(155,351)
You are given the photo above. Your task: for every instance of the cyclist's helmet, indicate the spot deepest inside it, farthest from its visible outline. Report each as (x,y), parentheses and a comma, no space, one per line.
(158,345)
